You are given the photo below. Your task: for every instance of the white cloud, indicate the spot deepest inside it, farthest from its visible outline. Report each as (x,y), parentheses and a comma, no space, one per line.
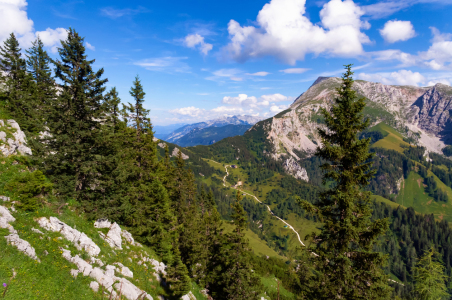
(220,75)
(294,70)
(165,64)
(443,81)
(194,40)
(190,111)
(254,102)
(401,77)
(285,32)
(239,105)
(437,57)
(14,18)
(395,31)
(89,46)
(276,98)
(262,74)
(277,109)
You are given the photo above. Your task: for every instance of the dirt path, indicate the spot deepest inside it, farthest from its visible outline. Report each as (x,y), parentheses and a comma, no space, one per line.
(268,207)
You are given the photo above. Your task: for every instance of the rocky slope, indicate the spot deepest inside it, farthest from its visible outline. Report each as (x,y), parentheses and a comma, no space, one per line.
(418,112)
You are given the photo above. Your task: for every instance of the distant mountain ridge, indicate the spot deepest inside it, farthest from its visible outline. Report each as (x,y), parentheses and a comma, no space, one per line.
(211,135)
(220,122)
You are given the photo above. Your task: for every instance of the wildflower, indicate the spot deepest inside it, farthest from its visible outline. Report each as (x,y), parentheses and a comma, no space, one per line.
(4,284)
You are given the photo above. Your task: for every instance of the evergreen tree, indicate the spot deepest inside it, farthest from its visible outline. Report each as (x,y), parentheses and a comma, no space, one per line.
(38,65)
(347,265)
(112,101)
(430,278)
(76,146)
(17,84)
(43,93)
(232,276)
(177,275)
(140,201)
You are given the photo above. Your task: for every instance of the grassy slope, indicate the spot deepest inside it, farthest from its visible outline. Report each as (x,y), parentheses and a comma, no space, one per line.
(51,279)
(257,245)
(392,139)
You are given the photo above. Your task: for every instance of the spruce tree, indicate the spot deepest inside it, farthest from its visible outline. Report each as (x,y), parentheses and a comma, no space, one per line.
(43,93)
(75,145)
(177,275)
(347,265)
(140,201)
(38,65)
(112,101)
(430,279)
(17,84)
(232,277)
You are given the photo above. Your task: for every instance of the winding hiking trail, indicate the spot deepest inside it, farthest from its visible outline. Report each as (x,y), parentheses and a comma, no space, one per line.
(268,207)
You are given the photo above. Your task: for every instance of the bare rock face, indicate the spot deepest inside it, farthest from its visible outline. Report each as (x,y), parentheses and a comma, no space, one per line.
(435,111)
(15,145)
(293,168)
(176,153)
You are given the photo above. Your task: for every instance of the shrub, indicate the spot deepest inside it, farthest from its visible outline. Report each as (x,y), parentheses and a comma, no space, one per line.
(28,187)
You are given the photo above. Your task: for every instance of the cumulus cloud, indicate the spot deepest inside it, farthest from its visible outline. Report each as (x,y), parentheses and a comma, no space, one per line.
(165,64)
(239,105)
(294,70)
(285,32)
(437,57)
(395,31)
(276,109)
(254,102)
(401,77)
(190,111)
(13,14)
(197,41)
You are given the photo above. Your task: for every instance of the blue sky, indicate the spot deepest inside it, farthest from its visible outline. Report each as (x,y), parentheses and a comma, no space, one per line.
(200,60)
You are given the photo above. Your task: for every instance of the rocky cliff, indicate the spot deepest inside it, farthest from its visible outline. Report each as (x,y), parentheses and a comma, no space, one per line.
(422,113)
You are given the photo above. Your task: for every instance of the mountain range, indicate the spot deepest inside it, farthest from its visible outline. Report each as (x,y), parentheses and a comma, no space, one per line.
(193,134)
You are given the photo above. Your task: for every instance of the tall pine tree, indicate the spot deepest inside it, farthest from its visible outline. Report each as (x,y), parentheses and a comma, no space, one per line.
(17,84)
(347,265)
(75,146)
(231,276)
(140,201)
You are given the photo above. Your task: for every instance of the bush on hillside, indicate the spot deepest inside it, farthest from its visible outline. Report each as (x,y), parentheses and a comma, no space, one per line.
(28,187)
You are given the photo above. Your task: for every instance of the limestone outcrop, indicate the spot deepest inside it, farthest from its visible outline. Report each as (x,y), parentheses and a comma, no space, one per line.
(79,239)
(176,151)
(293,168)
(12,139)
